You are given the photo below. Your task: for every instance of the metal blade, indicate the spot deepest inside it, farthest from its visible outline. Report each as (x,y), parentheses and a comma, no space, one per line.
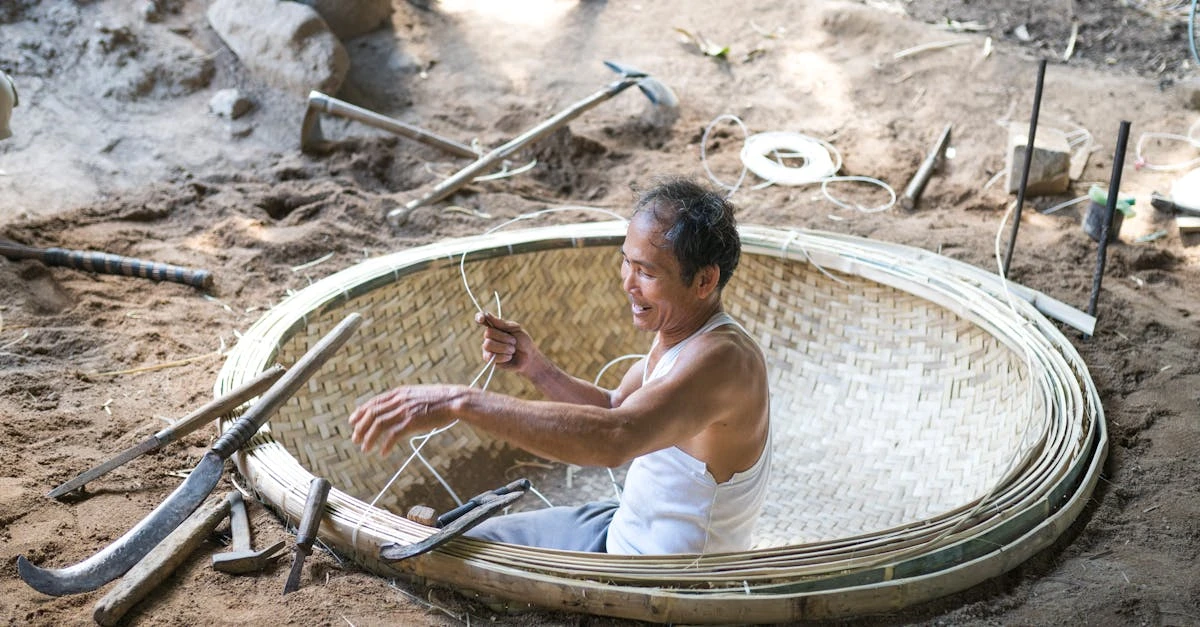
(293,580)
(489,505)
(130,548)
(148,445)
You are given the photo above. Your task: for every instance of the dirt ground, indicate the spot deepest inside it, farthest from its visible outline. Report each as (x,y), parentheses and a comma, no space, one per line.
(115,149)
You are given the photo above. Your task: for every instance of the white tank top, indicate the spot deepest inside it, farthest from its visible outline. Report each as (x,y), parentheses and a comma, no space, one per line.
(671,504)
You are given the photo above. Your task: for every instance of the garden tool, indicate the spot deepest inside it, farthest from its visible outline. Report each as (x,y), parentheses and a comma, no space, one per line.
(104,263)
(311,136)
(306,533)
(658,93)
(184,426)
(119,556)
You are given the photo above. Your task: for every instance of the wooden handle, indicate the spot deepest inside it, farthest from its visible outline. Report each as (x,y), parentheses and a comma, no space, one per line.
(161,562)
(106,263)
(221,406)
(318,493)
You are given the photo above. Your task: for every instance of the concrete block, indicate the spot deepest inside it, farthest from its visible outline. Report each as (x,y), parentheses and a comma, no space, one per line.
(1049,171)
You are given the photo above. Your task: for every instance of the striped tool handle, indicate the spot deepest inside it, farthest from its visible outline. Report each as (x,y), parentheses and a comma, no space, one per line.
(108,264)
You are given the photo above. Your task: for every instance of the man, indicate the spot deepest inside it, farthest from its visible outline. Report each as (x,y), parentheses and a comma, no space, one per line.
(693,415)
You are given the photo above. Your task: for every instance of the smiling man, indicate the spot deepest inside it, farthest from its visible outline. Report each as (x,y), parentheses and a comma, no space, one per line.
(693,414)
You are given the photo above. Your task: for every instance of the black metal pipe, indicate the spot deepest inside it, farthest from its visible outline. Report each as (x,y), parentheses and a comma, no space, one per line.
(1114,185)
(1033,120)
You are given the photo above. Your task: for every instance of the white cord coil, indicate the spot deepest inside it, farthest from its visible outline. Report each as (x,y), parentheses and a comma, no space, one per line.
(818,156)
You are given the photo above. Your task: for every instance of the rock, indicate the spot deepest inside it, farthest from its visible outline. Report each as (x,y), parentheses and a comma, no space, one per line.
(351,18)
(286,44)
(229,103)
(1049,170)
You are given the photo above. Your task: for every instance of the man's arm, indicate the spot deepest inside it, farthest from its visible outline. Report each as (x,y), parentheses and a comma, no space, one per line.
(513,349)
(707,383)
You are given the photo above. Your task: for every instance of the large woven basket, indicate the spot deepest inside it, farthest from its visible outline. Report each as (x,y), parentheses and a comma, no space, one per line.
(932,428)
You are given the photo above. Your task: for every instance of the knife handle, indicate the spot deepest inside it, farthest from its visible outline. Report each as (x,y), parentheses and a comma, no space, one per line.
(314,507)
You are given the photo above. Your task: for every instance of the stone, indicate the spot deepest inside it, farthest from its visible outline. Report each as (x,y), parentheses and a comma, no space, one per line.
(286,44)
(1049,170)
(351,18)
(229,103)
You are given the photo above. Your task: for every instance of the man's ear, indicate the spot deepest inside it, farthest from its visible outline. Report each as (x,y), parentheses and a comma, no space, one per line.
(706,280)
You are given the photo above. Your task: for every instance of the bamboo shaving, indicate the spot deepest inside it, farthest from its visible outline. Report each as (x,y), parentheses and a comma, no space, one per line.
(163,366)
(935,45)
(1071,42)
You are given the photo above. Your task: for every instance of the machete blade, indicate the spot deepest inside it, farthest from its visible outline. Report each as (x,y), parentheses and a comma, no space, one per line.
(121,555)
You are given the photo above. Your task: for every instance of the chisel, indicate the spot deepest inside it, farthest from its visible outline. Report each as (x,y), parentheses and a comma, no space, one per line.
(306,533)
(184,426)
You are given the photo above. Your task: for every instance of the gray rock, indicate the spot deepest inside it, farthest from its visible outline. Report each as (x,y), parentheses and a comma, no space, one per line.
(1049,170)
(351,18)
(229,103)
(286,44)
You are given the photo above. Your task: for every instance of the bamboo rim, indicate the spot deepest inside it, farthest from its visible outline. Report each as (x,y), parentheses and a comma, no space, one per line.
(1039,493)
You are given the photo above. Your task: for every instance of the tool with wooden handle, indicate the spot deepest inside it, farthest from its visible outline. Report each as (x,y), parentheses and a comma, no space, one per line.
(122,554)
(310,128)
(182,427)
(105,263)
(161,562)
(658,94)
(242,558)
(306,533)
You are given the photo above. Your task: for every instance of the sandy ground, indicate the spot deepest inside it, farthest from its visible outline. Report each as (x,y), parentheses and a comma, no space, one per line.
(115,150)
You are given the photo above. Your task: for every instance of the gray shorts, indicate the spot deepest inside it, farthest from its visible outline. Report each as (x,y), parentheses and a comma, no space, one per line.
(582,528)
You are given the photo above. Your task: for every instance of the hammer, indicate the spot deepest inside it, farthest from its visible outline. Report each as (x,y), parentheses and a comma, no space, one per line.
(311,137)
(242,559)
(658,94)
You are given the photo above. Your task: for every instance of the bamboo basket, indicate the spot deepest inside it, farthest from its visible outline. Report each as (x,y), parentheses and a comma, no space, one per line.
(931,427)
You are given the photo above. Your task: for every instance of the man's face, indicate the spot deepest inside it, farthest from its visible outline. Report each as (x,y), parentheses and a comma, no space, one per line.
(650,277)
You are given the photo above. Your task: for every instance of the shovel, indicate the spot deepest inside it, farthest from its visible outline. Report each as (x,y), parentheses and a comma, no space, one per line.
(658,93)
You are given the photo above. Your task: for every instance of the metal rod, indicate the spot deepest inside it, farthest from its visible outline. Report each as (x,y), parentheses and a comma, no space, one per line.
(1033,120)
(1114,185)
(912,193)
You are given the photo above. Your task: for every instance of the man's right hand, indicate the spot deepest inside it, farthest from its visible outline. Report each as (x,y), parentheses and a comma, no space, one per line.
(507,343)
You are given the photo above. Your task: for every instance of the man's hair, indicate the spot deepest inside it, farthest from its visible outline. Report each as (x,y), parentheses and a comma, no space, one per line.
(698,225)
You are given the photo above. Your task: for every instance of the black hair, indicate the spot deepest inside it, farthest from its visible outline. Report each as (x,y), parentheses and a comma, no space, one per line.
(698,225)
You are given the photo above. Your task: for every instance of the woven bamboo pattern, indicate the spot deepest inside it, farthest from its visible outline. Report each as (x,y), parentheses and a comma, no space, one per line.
(931,428)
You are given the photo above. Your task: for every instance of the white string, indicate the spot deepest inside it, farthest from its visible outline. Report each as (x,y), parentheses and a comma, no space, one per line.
(822,161)
(704,153)
(1141,163)
(612,477)
(488,368)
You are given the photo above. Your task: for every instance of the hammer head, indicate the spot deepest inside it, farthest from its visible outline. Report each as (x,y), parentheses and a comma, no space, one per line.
(311,138)
(242,562)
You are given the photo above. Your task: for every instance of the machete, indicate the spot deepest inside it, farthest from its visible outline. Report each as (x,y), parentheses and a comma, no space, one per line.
(176,430)
(121,555)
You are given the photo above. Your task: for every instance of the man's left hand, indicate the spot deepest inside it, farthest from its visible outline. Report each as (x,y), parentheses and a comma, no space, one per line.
(400,412)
